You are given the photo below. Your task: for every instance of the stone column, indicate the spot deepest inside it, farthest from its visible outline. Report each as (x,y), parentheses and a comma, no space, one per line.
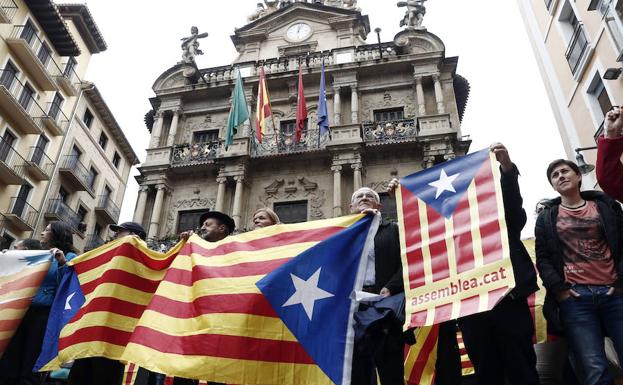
(354,105)
(140,204)
(236,214)
(419,93)
(173,129)
(441,105)
(157,130)
(357,183)
(157,211)
(337,106)
(220,194)
(337,190)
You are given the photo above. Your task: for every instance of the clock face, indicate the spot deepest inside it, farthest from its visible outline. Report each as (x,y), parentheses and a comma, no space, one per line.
(298,32)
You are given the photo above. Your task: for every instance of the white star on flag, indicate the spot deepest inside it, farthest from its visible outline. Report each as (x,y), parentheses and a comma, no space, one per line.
(444,183)
(307,293)
(69,297)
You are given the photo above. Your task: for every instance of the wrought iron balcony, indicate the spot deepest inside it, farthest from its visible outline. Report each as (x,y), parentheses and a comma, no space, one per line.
(578,46)
(69,80)
(93,242)
(55,120)
(11,165)
(285,143)
(58,210)
(194,154)
(107,209)
(21,214)
(75,173)
(36,55)
(8,9)
(18,104)
(39,165)
(394,131)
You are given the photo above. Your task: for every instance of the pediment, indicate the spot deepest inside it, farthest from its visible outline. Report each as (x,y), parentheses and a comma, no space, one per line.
(170,78)
(263,27)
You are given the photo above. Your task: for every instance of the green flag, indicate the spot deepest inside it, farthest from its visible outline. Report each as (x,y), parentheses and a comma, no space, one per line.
(239,112)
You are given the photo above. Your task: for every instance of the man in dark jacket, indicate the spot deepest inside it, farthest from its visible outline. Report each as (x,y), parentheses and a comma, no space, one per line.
(383,276)
(499,342)
(578,251)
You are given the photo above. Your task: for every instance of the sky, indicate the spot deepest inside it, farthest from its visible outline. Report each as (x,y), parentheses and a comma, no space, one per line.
(507,102)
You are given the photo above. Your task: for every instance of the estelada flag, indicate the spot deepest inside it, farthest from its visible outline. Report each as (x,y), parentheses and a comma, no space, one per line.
(271,306)
(21,274)
(454,240)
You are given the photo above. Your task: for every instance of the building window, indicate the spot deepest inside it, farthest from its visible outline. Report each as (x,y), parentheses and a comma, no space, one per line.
(6,241)
(188,220)
(573,30)
(103,141)
(291,212)
(55,106)
(9,74)
(388,207)
(207,136)
(548,4)
(87,119)
(28,32)
(92,177)
(611,18)
(63,195)
(599,100)
(70,67)
(388,115)
(44,54)
(26,97)
(82,213)
(116,159)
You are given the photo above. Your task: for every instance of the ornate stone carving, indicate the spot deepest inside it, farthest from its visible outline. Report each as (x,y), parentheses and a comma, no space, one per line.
(386,100)
(207,203)
(295,189)
(190,45)
(414,15)
(379,187)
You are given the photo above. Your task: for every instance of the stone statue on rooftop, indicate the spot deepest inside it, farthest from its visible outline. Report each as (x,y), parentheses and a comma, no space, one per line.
(190,45)
(261,10)
(414,15)
(349,4)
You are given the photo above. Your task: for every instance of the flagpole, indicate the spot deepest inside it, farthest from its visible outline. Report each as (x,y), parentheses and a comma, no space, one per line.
(322,96)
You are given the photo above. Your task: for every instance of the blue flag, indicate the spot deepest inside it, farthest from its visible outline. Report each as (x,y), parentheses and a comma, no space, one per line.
(312,296)
(442,187)
(323,115)
(69,299)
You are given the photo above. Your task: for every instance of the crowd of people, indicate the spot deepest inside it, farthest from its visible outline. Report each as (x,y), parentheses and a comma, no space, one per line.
(579,257)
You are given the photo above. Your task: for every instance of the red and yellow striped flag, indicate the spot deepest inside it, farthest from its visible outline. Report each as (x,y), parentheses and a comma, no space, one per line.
(263,110)
(21,274)
(196,311)
(421,358)
(453,240)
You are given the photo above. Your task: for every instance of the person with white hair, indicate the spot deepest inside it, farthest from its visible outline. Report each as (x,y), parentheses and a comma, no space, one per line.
(383,276)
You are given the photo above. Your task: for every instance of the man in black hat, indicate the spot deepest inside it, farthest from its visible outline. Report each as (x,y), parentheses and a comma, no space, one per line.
(128,228)
(215,226)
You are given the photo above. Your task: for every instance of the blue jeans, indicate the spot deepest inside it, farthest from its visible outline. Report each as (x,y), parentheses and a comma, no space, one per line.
(587,319)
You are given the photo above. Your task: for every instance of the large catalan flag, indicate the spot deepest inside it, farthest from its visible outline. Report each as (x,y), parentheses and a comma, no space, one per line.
(454,240)
(21,274)
(270,306)
(263,110)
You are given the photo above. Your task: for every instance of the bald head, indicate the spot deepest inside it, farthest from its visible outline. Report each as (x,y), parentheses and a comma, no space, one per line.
(363,199)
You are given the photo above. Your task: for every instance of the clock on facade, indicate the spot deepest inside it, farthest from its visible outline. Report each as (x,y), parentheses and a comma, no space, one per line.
(298,32)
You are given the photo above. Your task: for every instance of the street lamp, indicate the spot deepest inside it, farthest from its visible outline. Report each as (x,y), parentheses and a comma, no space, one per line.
(584,167)
(378,37)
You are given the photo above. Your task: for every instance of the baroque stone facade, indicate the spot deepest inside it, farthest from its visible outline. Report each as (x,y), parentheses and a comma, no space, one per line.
(393,108)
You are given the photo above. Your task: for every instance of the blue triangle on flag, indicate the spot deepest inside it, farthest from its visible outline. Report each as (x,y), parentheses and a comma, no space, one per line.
(443,185)
(311,294)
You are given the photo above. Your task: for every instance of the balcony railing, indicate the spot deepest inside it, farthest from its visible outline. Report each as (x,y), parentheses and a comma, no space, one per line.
(21,214)
(55,119)
(93,242)
(39,163)
(196,153)
(8,9)
(38,47)
(394,131)
(286,63)
(69,79)
(59,210)
(11,164)
(19,103)
(105,202)
(285,143)
(81,176)
(578,47)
